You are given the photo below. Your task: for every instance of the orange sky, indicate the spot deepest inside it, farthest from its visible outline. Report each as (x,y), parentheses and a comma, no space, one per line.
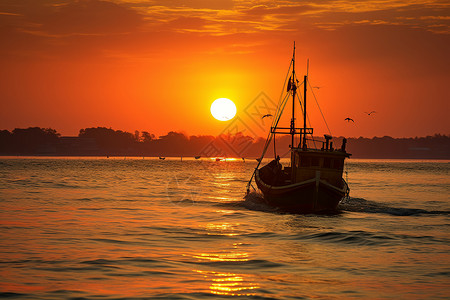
(157,65)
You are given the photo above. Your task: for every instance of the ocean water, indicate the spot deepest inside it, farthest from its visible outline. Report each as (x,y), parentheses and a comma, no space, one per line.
(120,228)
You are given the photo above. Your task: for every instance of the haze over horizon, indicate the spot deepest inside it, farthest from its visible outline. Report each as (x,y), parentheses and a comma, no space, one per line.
(157,66)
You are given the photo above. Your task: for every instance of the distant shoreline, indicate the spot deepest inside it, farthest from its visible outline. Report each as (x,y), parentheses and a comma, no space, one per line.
(191,158)
(102,142)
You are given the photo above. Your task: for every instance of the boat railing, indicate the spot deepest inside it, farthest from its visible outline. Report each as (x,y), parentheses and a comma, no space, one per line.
(309,149)
(288,130)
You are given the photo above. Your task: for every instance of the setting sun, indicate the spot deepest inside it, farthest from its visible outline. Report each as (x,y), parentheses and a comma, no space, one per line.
(223,109)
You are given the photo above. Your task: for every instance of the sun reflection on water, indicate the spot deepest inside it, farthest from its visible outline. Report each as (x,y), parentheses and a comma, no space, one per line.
(227,229)
(229,284)
(224,257)
(223,282)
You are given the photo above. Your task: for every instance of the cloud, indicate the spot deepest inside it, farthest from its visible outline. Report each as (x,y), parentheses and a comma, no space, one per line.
(53,28)
(97,17)
(424,16)
(196,4)
(89,17)
(129,27)
(263,10)
(70,17)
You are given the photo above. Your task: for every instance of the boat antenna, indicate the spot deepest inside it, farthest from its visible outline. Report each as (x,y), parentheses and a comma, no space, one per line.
(294,88)
(305,80)
(307,67)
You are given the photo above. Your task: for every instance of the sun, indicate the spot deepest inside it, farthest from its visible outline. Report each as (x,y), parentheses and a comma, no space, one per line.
(223,109)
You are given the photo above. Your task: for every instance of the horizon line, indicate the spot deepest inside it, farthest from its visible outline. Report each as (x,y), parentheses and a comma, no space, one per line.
(224,133)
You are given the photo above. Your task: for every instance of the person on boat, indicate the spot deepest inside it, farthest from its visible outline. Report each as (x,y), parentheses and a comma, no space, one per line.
(271,173)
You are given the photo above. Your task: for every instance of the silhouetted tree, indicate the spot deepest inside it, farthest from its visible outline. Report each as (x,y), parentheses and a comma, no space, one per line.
(171,144)
(36,140)
(137,136)
(5,141)
(110,140)
(32,139)
(147,137)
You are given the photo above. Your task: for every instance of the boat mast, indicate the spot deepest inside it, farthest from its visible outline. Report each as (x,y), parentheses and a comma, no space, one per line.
(304,110)
(294,88)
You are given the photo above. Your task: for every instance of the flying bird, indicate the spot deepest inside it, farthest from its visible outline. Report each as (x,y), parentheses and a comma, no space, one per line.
(349,119)
(268,115)
(369,113)
(316,87)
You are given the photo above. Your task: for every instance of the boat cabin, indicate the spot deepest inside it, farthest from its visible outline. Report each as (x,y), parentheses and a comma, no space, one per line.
(328,161)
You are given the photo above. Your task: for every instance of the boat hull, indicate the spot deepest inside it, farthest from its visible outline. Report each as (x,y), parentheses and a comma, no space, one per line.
(310,196)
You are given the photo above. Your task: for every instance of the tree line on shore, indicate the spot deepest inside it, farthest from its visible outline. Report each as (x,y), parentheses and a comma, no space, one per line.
(102,141)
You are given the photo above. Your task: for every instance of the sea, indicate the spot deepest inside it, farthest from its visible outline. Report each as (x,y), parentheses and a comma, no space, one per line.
(147,228)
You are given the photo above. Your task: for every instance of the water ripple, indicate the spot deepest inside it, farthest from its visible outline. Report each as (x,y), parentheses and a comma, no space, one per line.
(366,206)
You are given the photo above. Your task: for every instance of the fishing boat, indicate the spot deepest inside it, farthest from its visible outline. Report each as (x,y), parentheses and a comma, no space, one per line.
(313,182)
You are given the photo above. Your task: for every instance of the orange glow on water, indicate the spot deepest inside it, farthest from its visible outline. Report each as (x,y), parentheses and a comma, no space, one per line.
(109,228)
(223,256)
(229,284)
(222,229)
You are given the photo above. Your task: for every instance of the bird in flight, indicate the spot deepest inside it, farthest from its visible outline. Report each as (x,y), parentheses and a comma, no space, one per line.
(268,115)
(369,113)
(349,119)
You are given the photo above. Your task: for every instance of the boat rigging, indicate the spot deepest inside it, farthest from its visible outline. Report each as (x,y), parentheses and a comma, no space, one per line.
(313,182)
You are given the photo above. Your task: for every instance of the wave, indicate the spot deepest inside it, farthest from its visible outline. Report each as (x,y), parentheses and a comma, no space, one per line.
(11,295)
(360,238)
(258,264)
(255,201)
(200,295)
(365,238)
(367,206)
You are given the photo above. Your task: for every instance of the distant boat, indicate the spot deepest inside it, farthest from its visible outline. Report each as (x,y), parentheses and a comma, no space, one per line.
(197,157)
(313,182)
(162,158)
